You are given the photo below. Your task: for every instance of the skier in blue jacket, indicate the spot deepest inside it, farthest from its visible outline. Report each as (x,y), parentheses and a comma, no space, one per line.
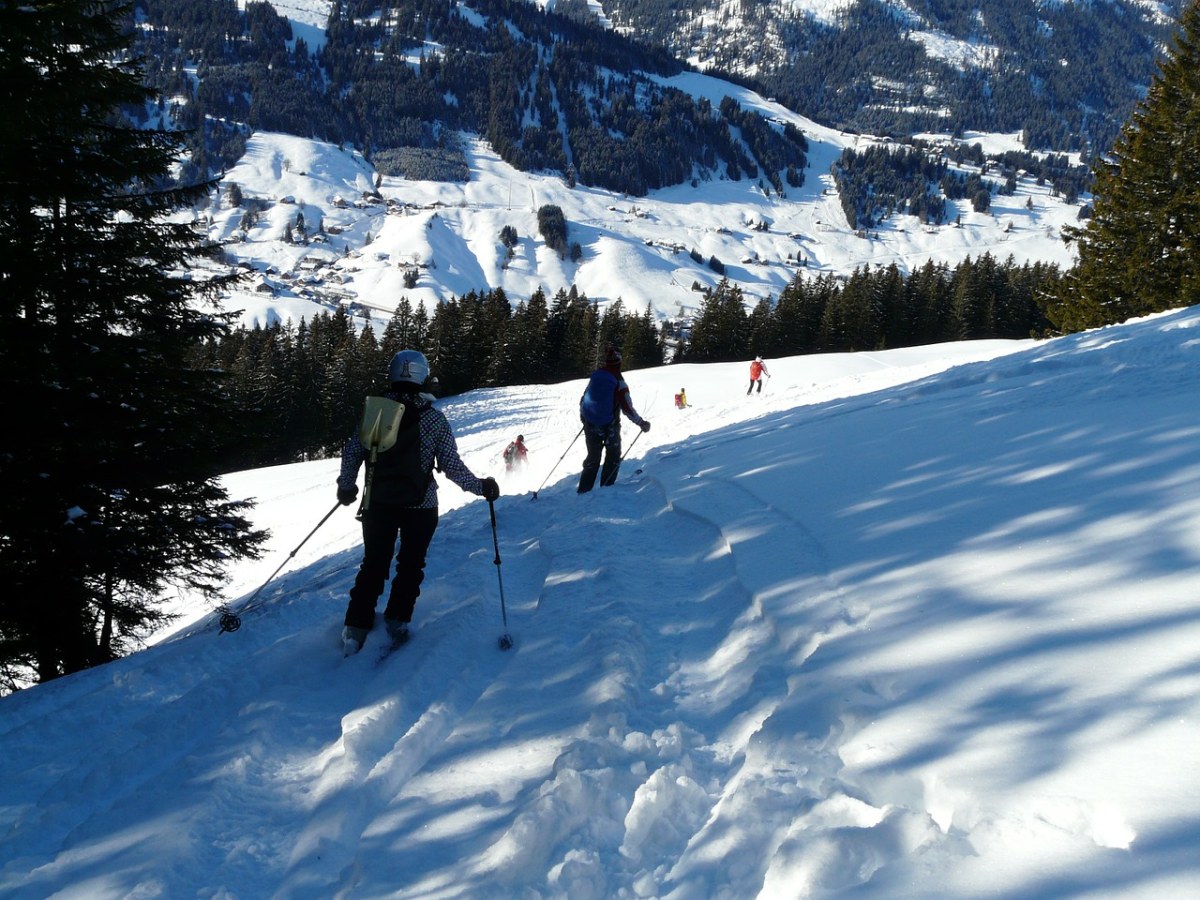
(604,400)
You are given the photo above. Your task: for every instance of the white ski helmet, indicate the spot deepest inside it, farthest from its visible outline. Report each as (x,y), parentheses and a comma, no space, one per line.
(410,367)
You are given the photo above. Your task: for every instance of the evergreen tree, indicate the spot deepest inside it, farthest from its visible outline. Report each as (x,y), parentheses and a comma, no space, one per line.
(305,378)
(854,317)
(974,297)
(612,328)
(721,330)
(446,353)
(643,344)
(528,349)
(400,331)
(929,294)
(490,338)
(420,328)
(287,441)
(113,443)
(892,300)
(762,329)
(342,384)
(1140,251)
(577,350)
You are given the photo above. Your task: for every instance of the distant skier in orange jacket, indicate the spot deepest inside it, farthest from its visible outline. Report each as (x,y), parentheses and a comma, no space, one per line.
(757,370)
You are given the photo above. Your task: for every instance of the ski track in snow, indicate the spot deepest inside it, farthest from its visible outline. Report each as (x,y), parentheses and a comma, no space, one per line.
(576,627)
(787,767)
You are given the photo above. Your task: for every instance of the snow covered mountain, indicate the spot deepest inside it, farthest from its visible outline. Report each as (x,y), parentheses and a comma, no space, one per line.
(431,240)
(1065,74)
(919,623)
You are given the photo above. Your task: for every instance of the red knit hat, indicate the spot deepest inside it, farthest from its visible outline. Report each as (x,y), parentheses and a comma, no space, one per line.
(612,358)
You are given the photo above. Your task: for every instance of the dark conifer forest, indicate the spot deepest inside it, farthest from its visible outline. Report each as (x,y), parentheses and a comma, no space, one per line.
(302,385)
(114,443)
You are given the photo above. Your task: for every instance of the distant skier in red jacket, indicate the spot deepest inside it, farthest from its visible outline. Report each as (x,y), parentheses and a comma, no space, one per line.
(515,454)
(757,370)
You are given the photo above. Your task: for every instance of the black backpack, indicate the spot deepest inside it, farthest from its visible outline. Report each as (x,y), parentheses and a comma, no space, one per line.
(398,478)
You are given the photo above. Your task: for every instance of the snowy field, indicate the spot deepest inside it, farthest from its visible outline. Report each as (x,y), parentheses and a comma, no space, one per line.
(921,623)
(446,236)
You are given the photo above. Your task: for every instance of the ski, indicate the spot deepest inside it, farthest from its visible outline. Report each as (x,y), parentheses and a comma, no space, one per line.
(391,647)
(352,641)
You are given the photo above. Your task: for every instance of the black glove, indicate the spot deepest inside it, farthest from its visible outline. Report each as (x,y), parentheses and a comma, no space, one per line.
(346,496)
(645,425)
(491,490)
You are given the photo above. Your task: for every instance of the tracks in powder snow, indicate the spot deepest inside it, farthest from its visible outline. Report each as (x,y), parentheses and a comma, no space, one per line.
(410,703)
(694,725)
(658,694)
(679,643)
(811,825)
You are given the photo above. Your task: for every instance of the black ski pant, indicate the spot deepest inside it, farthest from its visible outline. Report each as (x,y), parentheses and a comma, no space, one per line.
(606,439)
(754,381)
(381,525)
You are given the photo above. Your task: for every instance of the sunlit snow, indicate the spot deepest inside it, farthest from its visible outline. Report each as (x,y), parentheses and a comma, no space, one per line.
(918,623)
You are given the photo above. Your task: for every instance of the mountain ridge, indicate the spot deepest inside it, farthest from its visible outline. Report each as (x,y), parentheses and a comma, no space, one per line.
(561,92)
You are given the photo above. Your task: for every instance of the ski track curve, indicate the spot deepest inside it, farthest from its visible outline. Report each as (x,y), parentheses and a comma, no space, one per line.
(384,742)
(814,831)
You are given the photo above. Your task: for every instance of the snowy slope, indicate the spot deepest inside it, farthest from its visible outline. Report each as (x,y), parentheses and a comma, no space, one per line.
(920,623)
(634,249)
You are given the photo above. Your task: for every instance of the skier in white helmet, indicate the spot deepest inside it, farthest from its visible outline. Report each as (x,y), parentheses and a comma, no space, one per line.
(403,502)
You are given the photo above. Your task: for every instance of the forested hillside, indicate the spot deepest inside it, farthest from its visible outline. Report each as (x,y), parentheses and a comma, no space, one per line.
(301,383)
(1065,75)
(547,92)
(918,179)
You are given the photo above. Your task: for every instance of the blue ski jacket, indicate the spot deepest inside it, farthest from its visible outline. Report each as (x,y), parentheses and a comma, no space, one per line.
(605,398)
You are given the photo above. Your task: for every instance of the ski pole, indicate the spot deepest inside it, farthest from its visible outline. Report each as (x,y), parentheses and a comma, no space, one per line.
(631,443)
(555,466)
(230,621)
(506,640)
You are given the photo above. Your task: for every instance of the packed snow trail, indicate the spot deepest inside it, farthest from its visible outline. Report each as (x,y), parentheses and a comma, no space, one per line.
(655,709)
(897,628)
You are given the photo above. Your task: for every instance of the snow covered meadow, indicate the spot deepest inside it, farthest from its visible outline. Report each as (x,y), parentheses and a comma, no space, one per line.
(918,623)
(429,241)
